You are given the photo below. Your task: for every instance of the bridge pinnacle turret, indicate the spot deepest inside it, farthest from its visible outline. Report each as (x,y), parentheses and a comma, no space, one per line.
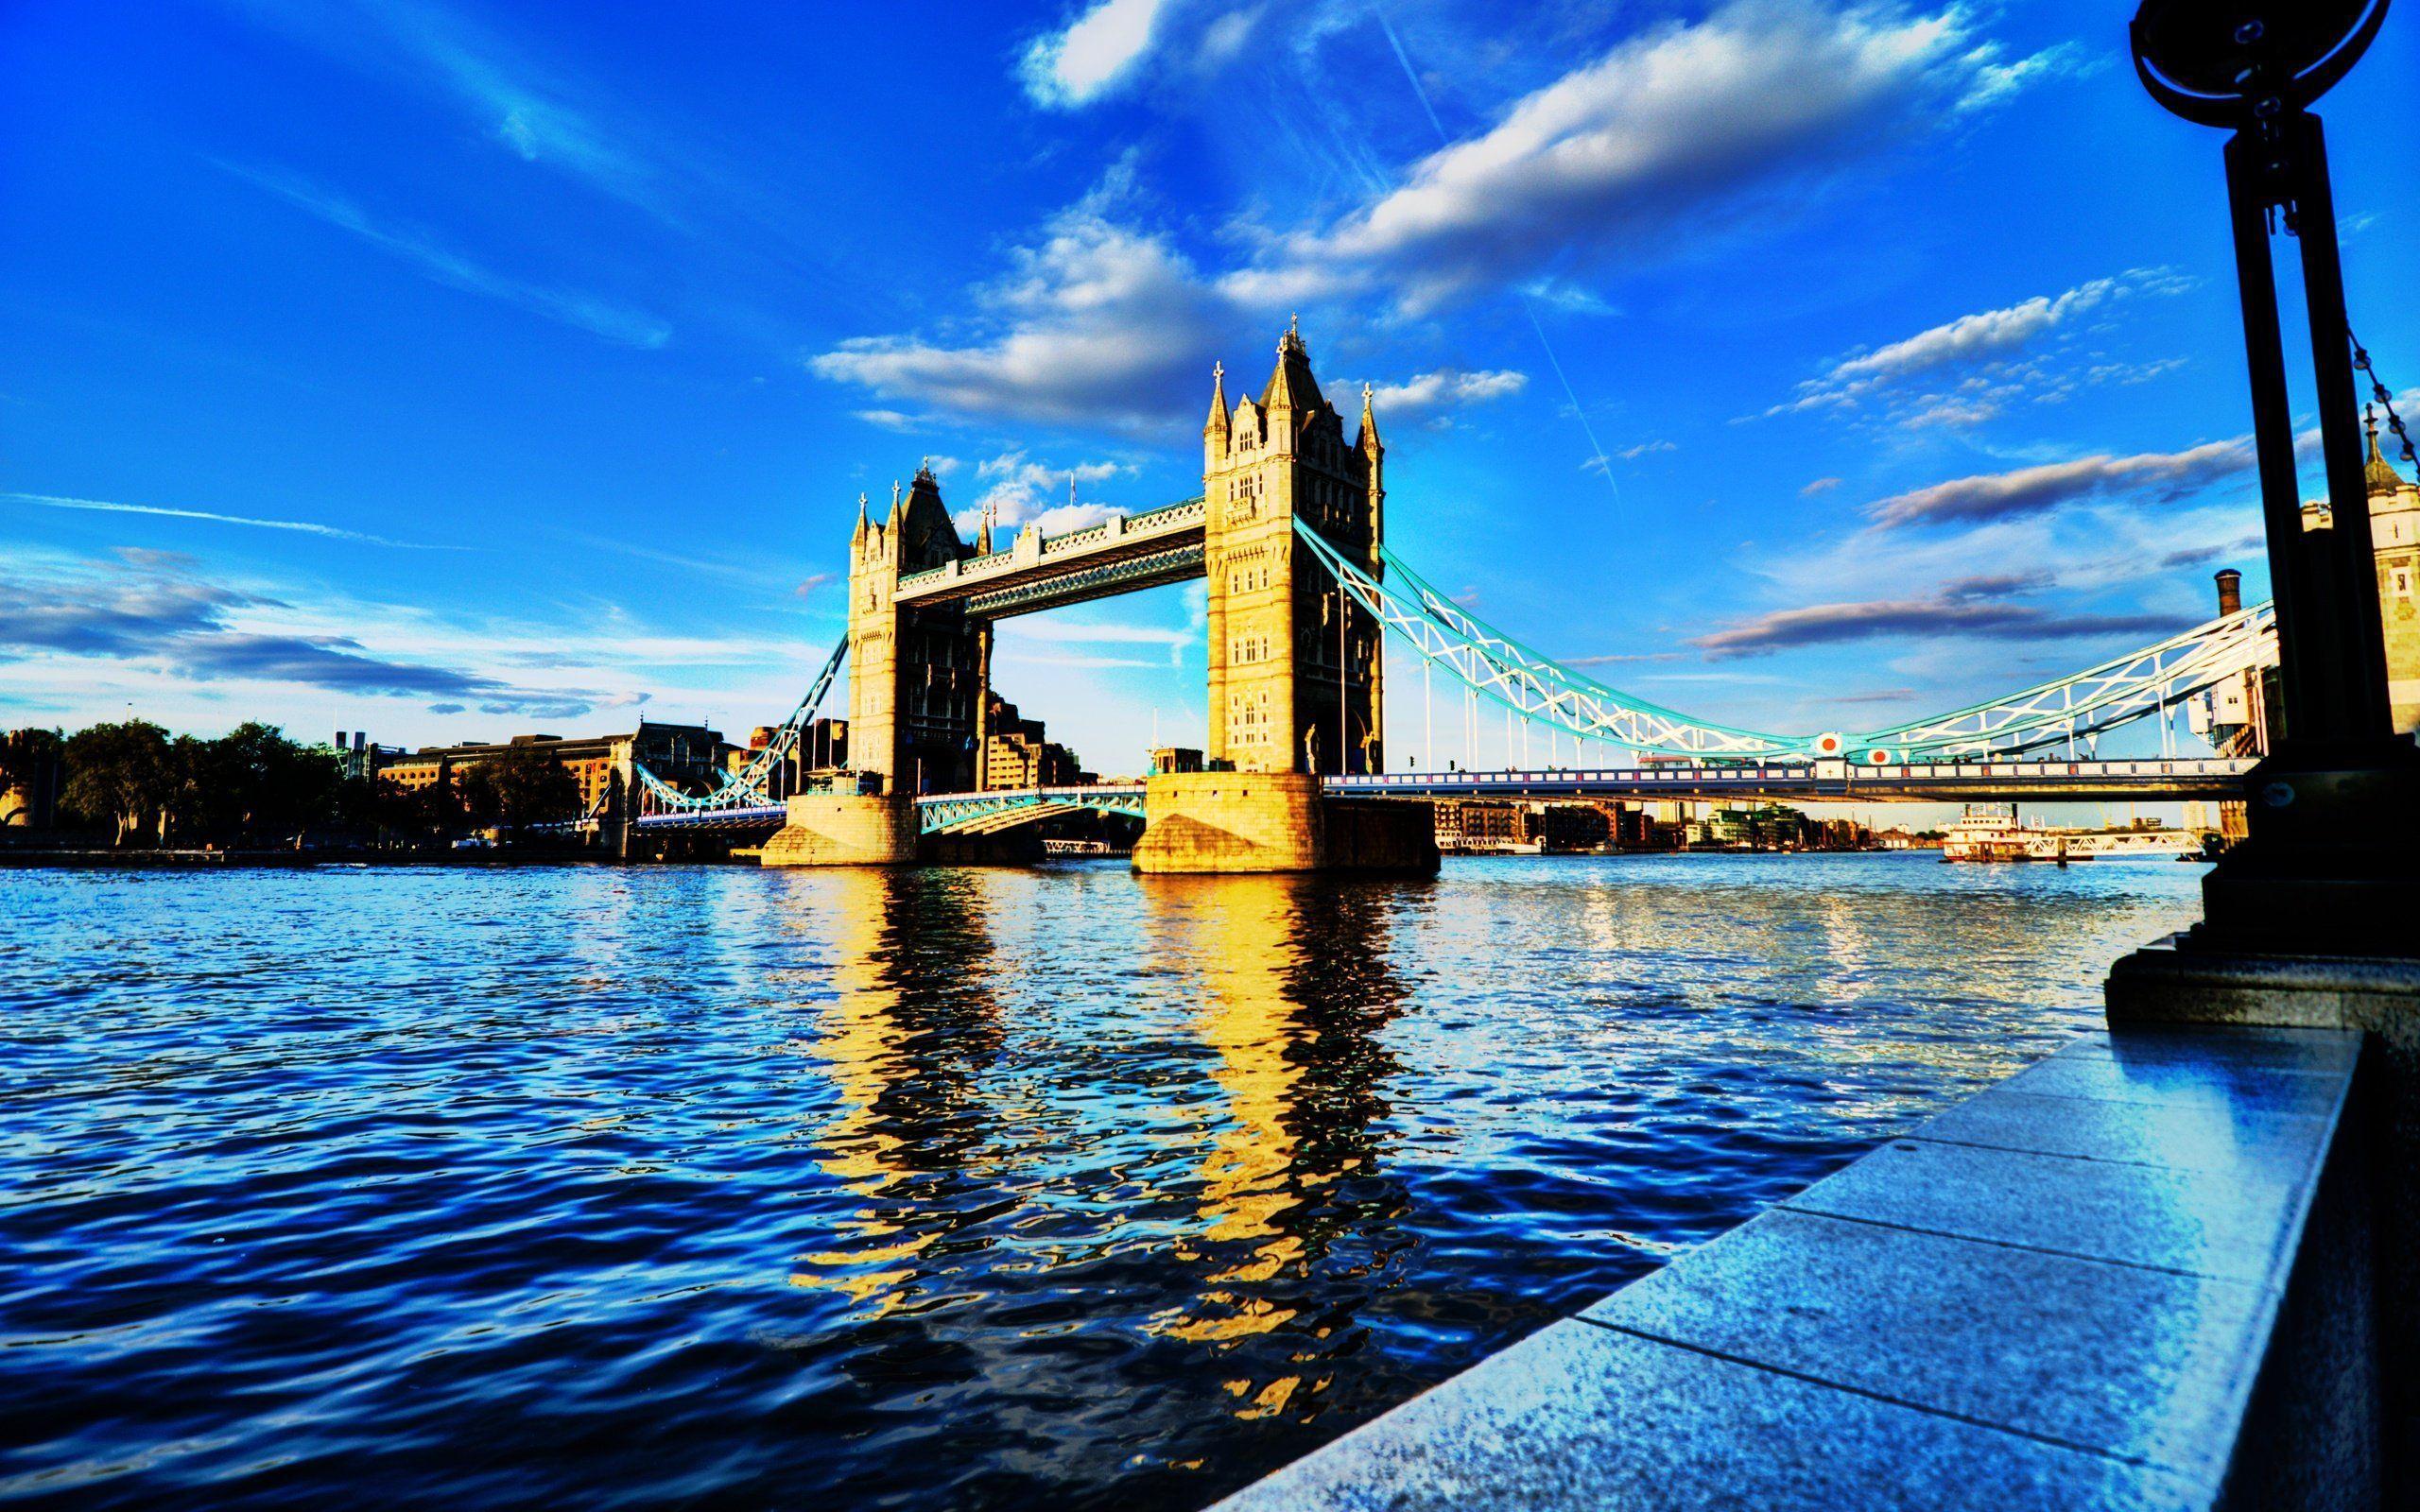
(1369,445)
(1220,428)
(898,506)
(1292,385)
(2378,472)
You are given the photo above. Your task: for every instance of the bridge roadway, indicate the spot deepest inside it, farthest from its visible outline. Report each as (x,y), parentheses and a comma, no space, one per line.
(1833,782)
(2146,780)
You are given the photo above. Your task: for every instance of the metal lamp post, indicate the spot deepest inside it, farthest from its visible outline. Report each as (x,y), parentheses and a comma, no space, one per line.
(2335,814)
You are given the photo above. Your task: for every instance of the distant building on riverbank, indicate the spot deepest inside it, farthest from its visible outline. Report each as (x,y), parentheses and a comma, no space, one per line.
(677,753)
(2394,506)
(1536,826)
(821,750)
(357,757)
(1017,752)
(32,775)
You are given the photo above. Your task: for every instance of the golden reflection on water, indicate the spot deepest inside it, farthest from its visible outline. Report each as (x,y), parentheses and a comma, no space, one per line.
(911,1011)
(936,1189)
(1294,982)
(1291,983)
(1237,940)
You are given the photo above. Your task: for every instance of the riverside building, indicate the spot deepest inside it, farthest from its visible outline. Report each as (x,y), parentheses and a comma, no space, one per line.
(673,752)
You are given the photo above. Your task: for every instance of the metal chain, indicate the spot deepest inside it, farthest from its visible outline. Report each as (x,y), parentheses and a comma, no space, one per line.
(2384,395)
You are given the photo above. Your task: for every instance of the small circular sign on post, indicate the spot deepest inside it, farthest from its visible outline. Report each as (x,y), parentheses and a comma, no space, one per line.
(2235,63)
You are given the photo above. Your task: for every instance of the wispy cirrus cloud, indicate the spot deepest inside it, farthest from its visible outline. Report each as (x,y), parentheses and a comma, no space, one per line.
(1967,370)
(52,501)
(526,107)
(423,250)
(155,608)
(2039,490)
(1971,607)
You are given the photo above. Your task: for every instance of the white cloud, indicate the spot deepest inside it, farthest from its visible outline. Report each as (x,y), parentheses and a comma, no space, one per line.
(1430,393)
(1023,491)
(1682,121)
(1098,324)
(1225,36)
(1103,323)
(1971,337)
(1994,82)
(1093,54)
(1951,414)
(1978,355)
(1603,465)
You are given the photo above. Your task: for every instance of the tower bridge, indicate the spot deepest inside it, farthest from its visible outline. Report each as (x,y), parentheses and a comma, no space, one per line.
(1303,592)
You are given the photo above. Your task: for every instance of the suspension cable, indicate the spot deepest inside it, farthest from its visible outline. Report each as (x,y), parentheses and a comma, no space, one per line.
(2384,395)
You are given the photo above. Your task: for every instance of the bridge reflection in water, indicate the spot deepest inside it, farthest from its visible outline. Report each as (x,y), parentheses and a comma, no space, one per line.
(1136,1187)
(1219,1152)
(935,1189)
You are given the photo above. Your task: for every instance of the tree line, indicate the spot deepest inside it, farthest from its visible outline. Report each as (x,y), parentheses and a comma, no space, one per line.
(143,786)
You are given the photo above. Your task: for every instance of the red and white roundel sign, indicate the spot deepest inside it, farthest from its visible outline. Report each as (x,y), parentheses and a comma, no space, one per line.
(1830,744)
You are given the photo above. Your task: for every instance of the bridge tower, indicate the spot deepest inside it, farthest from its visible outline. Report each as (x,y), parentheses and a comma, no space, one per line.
(916,690)
(915,675)
(1295,668)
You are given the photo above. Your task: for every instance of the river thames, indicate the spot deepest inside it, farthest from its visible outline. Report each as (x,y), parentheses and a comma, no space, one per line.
(934,1189)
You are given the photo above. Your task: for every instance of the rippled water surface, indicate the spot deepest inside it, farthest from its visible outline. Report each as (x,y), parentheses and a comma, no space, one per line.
(1057,1189)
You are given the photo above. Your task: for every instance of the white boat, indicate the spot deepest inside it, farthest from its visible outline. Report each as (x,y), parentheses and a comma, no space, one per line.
(1995,837)
(2085,845)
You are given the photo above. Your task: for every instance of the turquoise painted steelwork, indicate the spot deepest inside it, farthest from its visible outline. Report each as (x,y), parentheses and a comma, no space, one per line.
(2146,683)
(982,813)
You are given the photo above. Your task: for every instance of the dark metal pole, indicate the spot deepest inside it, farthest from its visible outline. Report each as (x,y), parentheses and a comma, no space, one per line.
(1344,703)
(2303,633)
(2345,562)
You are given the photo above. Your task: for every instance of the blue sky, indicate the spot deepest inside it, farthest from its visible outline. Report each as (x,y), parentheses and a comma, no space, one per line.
(450,369)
